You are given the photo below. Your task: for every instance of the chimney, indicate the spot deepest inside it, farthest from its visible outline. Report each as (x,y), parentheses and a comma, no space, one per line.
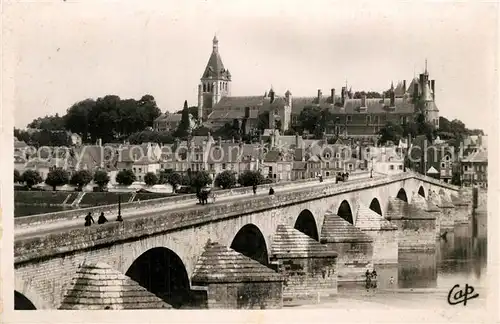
(296,140)
(319,95)
(393,97)
(343,95)
(332,94)
(271,95)
(433,83)
(404,86)
(272,141)
(232,140)
(363,100)
(99,142)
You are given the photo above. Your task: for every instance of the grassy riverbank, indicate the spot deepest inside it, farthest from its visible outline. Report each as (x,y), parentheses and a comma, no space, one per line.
(65,198)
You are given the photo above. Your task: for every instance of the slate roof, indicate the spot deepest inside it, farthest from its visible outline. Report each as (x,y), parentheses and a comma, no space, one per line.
(352,106)
(215,68)
(369,220)
(291,243)
(96,286)
(481,156)
(234,107)
(337,230)
(219,264)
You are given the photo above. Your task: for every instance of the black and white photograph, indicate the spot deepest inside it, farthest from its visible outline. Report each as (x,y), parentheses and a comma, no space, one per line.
(287,157)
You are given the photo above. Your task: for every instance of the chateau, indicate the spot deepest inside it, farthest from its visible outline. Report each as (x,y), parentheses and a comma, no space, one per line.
(352,116)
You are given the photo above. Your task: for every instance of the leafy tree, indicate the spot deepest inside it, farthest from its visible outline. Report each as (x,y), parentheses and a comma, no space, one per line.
(125,177)
(57,177)
(174,179)
(193,110)
(250,178)
(31,178)
(163,176)
(48,123)
(81,178)
(455,179)
(101,179)
(183,130)
(17,176)
(226,179)
(201,131)
(390,132)
(200,179)
(150,179)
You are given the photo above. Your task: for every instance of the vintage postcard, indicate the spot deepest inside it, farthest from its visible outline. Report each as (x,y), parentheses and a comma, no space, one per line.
(249,161)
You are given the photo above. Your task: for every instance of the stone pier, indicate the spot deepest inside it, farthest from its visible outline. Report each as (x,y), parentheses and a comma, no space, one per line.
(308,267)
(383,233)
(232,280)
(416,227)
(427,206)
(446,217)
(354,248)
(463,210)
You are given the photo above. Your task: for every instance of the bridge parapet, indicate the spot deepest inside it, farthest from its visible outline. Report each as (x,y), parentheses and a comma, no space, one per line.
(80,213)
(161,222)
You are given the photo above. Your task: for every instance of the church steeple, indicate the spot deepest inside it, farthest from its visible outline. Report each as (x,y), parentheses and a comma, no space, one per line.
(215,82)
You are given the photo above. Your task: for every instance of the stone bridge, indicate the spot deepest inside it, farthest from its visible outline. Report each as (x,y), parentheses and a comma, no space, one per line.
(160,250)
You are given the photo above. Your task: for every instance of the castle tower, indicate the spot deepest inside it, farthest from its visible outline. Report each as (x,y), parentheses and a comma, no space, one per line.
(215,83)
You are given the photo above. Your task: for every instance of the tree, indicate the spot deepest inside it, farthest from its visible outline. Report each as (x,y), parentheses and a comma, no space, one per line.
(81,179)
(125,177)
(455,179)
(57,177)
(390,132)
(17,176)
(183,130)
(101,179)
(193,110)
(201,131)
(31,178)
(174,179)
(150,179)
(200,179)
(250,178)
(226,179)
(48,123)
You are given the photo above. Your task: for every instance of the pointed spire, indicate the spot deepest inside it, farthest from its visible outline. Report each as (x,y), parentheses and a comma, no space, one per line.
(392,85)
(426,66)
(215,43)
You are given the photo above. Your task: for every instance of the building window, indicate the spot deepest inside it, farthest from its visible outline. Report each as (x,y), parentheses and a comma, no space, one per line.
(140,169)
(465,168)
(368,119)
(400,167)
(349,118)
(223,166)
(132,169)
(391,167)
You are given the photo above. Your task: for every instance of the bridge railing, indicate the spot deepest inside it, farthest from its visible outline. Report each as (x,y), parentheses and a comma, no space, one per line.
(26,221)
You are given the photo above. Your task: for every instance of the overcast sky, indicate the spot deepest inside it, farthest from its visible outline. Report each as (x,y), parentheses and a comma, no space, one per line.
(68,51)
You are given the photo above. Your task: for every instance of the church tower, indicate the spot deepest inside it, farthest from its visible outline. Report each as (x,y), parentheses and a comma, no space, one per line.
(215,83)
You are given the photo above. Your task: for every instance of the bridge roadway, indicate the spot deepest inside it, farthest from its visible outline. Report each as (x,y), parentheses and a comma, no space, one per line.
(68,225)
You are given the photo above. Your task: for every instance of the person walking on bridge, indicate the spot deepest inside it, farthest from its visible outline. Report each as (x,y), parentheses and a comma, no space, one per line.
(102,219)
(271,191)
(254,188)
(89,219)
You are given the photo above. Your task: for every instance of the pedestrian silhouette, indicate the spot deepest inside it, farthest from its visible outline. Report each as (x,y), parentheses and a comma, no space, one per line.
(102,219)
(89,219)
(254,188)
(271,191)
(119,218)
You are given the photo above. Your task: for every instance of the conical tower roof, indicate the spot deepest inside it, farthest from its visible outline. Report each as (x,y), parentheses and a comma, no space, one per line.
(291,243)
(367,219)
(335,229)
(96,286)
(222,264)
(215,68)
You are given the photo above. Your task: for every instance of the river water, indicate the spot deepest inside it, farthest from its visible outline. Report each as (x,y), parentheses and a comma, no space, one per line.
(424,279)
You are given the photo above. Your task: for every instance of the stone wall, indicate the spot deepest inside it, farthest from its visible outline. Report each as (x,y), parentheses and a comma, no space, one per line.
(308,278)
(416,234)
(446,219)
(462,214)
(353,260)
(385,246)
(246,295)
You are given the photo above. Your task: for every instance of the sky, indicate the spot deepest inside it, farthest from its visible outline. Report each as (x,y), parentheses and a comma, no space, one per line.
(67,51)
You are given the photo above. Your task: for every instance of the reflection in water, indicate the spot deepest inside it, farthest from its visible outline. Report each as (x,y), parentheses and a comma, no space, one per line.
(459,258)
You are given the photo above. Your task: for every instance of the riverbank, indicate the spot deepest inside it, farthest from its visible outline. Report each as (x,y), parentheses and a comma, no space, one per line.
(38,202)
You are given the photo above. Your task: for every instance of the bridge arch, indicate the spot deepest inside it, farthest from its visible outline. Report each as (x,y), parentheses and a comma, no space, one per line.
(375,206)
(162,272)
(307,224)
(21,302)
(345,211)
(421,191)
(250,242)
(22,289)
(402,195)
